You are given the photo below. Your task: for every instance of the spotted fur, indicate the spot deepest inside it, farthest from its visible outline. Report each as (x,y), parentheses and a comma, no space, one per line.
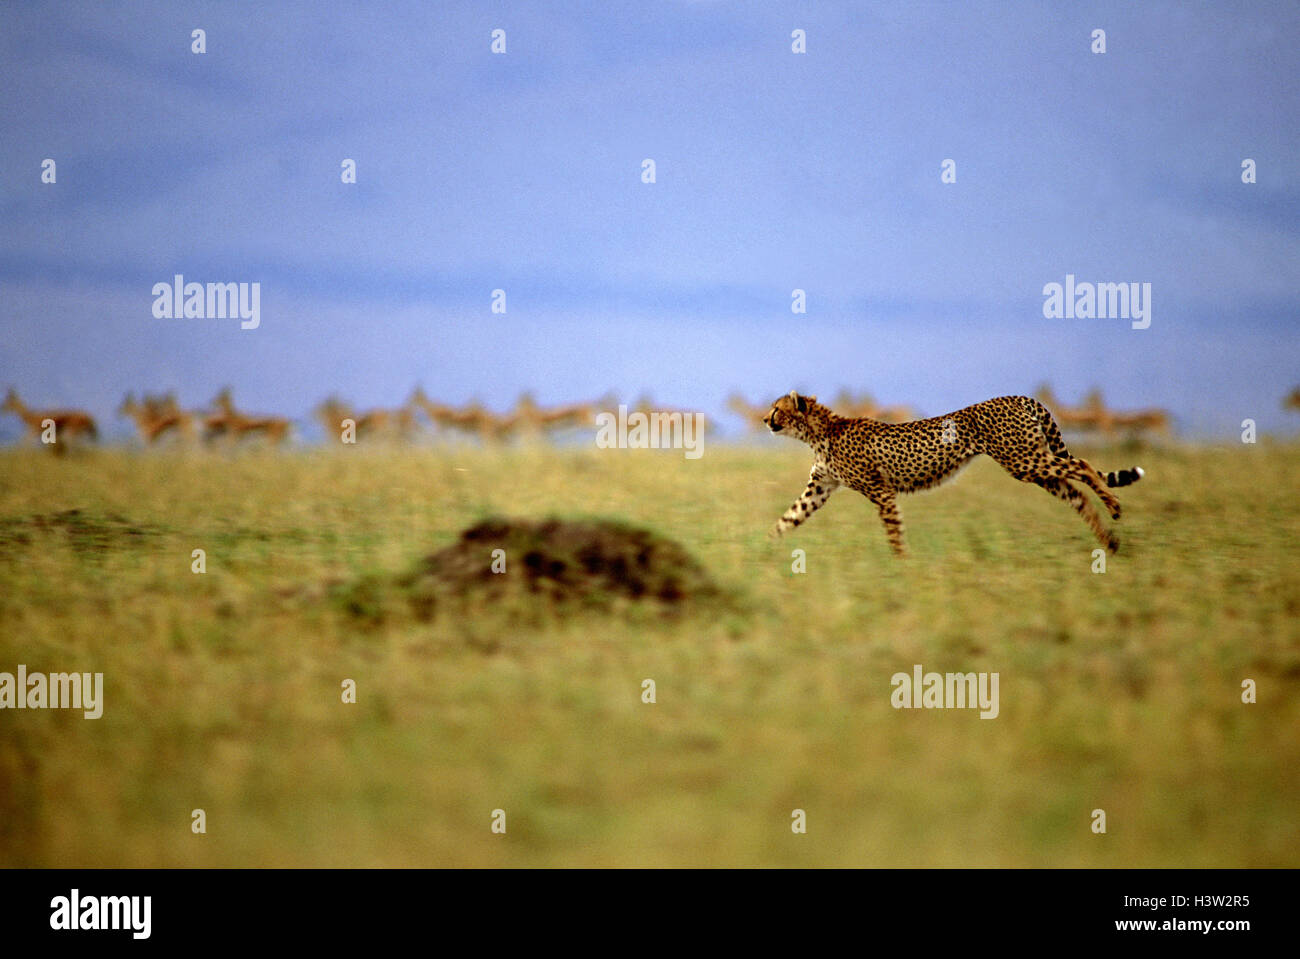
(881,460)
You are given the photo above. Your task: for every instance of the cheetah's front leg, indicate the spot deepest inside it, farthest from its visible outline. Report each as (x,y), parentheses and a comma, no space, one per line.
(820,486)
(885,499)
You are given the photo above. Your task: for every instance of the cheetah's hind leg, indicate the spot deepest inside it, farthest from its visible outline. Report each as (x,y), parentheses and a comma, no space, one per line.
(1061,489)
(1083,471)
(887,503)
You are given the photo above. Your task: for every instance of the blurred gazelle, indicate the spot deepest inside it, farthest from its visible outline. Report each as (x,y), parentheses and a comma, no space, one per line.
(67,423)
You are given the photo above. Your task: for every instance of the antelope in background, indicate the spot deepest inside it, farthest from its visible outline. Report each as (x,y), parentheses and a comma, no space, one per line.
(1138,421)
(472,419)
(1095,415)
(477,418)
(229,422)
(156,416)
(528,418)
(1130,421)
(1081,418)
(67,423)
(752,415)
(846,404)
(647,406)
(379,423)
(1292,402)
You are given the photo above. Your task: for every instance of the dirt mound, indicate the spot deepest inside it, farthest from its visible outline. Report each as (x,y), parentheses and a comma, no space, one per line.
(86,531)
(566,560)
(544,564)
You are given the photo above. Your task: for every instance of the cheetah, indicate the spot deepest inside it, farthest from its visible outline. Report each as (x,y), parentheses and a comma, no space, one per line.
(881,460)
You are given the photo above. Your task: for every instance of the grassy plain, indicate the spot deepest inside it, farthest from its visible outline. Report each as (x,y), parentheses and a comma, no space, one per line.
(1118,691)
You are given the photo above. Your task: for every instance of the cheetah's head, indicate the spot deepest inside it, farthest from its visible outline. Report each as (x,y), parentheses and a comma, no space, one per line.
(799,416)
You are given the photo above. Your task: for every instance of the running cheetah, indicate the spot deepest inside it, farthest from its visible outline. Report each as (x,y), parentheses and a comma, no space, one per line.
(881,460)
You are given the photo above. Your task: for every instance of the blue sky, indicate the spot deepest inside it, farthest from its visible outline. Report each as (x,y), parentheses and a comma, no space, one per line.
(775,171)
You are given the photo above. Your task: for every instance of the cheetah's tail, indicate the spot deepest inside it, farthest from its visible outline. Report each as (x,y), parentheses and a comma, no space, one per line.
(1125,477)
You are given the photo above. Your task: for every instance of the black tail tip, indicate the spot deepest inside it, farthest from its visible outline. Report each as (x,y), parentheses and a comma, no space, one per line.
(1125,477)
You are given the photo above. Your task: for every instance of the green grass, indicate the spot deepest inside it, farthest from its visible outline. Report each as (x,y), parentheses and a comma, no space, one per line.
(1119,691)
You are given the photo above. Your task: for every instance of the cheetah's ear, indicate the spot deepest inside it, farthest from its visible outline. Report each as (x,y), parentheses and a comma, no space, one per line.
(800,403)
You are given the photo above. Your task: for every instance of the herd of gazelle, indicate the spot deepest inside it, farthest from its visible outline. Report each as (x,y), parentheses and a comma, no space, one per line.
(156,417)
(1094,414)
(160,417)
